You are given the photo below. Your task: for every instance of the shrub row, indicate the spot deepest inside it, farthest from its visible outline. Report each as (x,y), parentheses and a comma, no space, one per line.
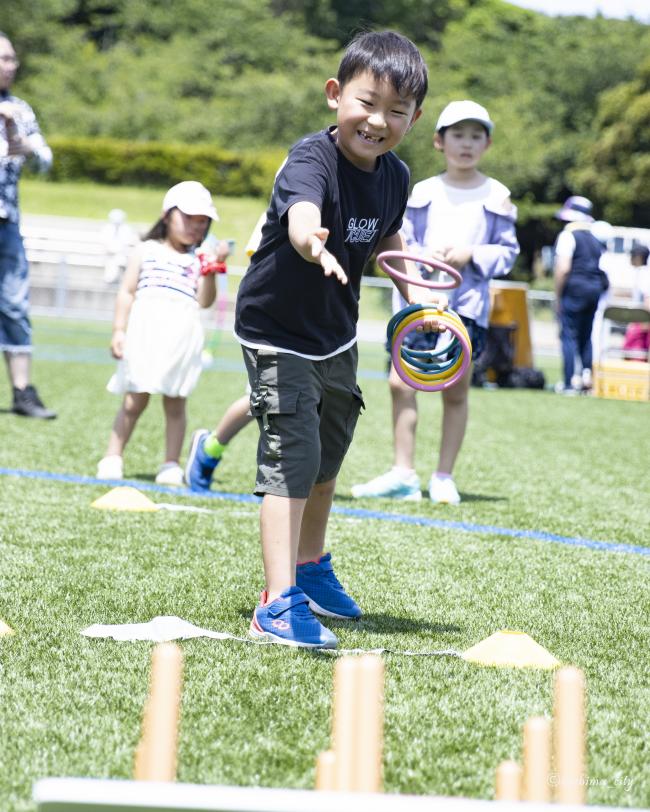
(150,163)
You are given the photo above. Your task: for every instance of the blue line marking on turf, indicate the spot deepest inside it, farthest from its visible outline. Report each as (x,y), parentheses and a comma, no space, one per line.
(357,513)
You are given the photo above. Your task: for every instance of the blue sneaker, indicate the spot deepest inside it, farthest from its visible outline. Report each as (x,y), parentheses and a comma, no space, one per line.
(287,620)
(326,595)
(199,466)
(394,484)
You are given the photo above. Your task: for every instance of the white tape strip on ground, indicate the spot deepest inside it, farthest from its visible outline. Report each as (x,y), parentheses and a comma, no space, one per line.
(162,629)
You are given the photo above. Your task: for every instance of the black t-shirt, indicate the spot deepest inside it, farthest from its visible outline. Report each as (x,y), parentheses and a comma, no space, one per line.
(285,301)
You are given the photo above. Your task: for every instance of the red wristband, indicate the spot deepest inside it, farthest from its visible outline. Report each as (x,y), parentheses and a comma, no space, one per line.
(208,266)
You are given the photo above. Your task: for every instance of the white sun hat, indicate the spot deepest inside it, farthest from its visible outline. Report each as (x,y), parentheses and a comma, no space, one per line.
(191,197)
(464,110)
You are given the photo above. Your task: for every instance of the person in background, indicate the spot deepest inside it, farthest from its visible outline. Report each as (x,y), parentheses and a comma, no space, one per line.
(637,334)
(119,239)
(579,284)
(20,140)
(157,331)
(639,261)
(466,219)
(208,447)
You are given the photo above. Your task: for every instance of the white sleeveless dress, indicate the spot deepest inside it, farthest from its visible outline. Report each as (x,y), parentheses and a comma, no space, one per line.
(164,336)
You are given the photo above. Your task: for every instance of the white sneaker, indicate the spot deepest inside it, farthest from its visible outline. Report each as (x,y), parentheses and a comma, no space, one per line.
(110,467)
(587,379)
(561,389)
(443,491)
(395,484)
(170,473)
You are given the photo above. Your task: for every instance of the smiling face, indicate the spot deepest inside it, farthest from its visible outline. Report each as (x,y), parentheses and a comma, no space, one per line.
(8,64)
(186,230)
(371,117)
(463,144)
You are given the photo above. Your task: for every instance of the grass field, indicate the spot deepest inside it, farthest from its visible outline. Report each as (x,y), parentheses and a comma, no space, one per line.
(532,461)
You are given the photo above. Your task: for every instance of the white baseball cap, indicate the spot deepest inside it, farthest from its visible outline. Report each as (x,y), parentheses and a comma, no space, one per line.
(191,197)
(465,110)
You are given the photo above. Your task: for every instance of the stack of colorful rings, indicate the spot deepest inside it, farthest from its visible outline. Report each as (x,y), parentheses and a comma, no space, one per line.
(442,367)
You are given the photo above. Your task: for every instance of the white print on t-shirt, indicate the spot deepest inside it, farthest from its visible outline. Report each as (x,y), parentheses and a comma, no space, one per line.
(362,229)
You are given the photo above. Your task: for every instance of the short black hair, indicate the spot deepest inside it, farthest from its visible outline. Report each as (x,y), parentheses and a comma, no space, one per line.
(640,250)
(387,55)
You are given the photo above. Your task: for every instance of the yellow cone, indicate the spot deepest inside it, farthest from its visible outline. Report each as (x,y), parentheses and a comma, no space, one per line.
(510,649)
(124,498)
(4,629)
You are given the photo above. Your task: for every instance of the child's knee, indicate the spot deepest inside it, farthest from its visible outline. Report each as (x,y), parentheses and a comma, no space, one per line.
(324,489)
(456,396)
(174,407)
(401,392)
(135,403)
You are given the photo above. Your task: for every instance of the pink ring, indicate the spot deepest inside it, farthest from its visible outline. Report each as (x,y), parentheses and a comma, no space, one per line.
(436,265)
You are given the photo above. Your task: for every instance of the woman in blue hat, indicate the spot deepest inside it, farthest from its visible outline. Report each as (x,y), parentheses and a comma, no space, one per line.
(579,284)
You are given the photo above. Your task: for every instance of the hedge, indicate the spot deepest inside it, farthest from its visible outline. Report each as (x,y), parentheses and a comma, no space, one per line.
(150,163)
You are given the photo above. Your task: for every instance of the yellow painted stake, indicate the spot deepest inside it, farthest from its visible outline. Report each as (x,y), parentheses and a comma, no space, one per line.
(326,770)
(370,723)
(344,729)
(156,754)
(508,782)
(354,764)
(569,736)
(537,760)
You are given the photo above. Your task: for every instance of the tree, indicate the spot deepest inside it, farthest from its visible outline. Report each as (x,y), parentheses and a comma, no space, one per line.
(422,20)
(615,169)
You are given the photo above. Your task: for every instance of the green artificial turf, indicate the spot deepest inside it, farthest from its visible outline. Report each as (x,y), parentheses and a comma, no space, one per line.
(251,715)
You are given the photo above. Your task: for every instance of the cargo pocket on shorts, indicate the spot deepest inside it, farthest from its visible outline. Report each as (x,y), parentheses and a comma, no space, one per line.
(269,407)
(356,405)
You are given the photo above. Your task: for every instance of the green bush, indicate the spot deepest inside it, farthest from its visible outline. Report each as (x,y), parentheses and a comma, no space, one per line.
(150,163)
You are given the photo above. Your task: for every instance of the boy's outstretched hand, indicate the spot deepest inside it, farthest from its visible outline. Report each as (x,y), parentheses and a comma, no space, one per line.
(308,237)
(328,262)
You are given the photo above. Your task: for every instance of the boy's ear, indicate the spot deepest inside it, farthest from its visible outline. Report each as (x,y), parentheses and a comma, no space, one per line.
(333,93)
(416,116)
(438,141)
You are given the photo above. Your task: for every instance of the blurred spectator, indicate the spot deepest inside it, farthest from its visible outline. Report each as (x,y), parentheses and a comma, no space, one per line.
(579,284)
(118,239)
(637,334)
(20,138)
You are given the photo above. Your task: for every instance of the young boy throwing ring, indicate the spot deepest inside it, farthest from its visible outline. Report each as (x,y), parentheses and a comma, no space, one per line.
(338,199)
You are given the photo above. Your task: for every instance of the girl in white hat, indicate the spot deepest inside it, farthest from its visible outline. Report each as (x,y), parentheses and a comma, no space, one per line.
(157,333)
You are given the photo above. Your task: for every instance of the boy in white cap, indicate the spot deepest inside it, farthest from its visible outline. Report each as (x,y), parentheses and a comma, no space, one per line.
(157,333)
(465,219)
